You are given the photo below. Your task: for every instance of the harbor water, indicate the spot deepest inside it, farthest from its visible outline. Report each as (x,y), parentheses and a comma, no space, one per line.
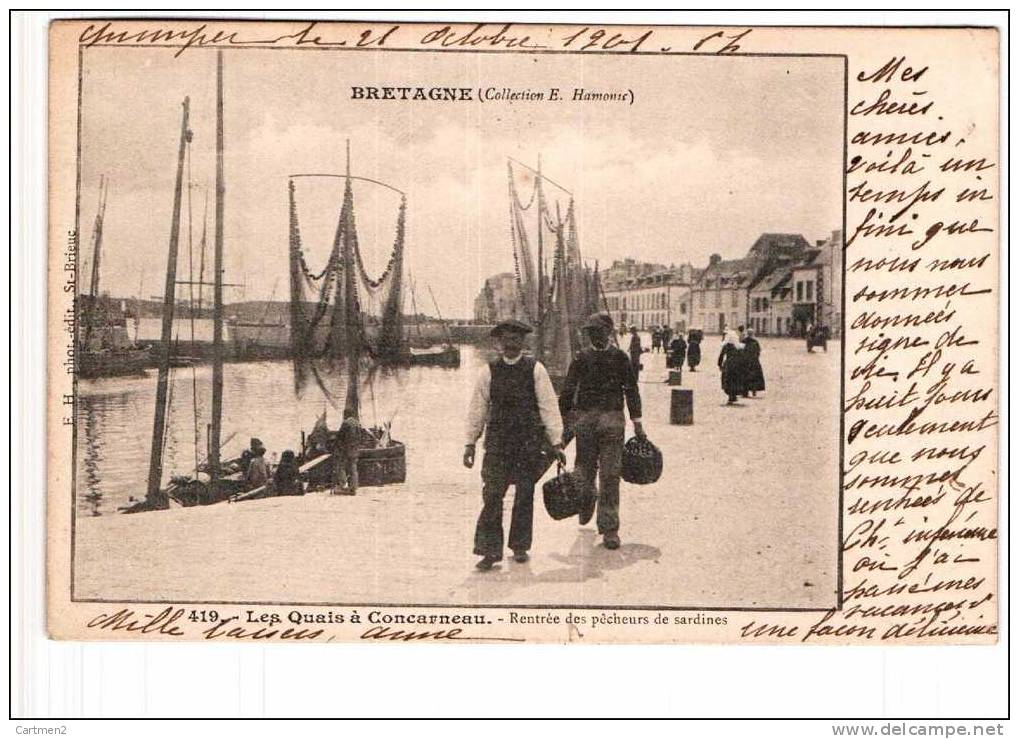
(425,404)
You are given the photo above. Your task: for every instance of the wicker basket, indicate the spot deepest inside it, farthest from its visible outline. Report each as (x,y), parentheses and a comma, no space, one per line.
(562,495)
(642,461)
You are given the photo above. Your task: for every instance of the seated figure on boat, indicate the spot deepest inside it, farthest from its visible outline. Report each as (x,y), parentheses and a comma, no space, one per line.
(257,473)
(286,478)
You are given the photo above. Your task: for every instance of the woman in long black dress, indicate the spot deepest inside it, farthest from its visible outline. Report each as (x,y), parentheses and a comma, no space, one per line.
(677,352)
(754,381)
(730,362)
(693,349)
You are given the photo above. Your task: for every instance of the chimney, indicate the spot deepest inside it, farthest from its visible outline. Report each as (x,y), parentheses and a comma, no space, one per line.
(715,259)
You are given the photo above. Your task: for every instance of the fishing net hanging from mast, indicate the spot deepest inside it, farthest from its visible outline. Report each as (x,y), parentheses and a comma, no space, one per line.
(341,317)
(523,260)
(559,306)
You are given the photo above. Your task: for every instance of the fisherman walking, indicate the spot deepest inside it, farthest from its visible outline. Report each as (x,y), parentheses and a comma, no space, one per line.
(598,381)
(514,404)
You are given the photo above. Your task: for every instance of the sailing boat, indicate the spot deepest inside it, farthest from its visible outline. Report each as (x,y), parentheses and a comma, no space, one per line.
(104,349)
(557,301)
(443,355)
(210,481)
(354,326)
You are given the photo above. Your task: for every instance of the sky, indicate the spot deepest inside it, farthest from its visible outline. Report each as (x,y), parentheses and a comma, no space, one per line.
(713,152)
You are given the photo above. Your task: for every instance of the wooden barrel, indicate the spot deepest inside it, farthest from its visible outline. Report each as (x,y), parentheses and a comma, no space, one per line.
(675,377)
(682,407)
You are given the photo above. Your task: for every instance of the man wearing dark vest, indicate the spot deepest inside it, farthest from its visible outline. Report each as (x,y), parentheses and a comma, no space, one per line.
(598,381)
(514,404)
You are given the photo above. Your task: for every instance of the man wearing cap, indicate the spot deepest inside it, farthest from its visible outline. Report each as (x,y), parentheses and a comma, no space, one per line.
(598,382)
(514,404)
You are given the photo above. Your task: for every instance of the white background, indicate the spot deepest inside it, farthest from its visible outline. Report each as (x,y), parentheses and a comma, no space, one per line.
(74,680)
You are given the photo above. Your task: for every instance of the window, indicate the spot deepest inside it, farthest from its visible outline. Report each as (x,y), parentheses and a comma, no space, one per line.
(799,291)
(735,297)
(682,308)
(764,304)
(810,291)
(701,294)
(718,298)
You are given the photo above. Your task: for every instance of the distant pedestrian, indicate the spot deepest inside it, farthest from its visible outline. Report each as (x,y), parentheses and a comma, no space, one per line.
(753,372)
(515,405)
(636,349)
(656,339)
(817,335)
(677,352)
(666,338)
(693,348)
(597,383)
(741,333)
(730,362)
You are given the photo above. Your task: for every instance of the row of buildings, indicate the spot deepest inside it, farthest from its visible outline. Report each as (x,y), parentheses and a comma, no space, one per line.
(780,287)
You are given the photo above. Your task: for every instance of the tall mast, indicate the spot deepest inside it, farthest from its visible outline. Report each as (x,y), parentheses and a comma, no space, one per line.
(201,259)
(414,302)
(445,326)
(217,289)
(159,423)
(539,332)
(97,250)
(351,341)
(97,237)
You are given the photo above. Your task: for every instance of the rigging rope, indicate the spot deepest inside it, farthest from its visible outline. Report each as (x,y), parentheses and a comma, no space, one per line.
(191,306)
(350,298)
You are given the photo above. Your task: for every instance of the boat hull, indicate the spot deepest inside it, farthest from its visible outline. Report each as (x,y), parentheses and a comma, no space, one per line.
(115,363)
(375,467)
(448,356)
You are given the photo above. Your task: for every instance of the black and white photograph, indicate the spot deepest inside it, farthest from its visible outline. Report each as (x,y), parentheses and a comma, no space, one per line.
(430,328)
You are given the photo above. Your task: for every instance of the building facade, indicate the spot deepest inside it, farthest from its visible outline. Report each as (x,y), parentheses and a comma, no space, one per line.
(816,286)
(499,299)
(646,299)
(720,296)
(743,292)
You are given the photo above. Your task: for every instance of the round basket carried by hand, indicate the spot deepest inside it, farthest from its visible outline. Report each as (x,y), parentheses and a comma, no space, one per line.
(562,495)
(642,461)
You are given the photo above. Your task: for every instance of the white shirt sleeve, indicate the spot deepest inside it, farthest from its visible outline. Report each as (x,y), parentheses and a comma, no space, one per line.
(548,404)
(477,411)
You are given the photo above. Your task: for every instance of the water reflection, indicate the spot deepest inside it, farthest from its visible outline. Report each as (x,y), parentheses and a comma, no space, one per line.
(426,405)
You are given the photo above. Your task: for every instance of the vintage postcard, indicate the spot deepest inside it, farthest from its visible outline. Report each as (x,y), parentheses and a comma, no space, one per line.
(508,333)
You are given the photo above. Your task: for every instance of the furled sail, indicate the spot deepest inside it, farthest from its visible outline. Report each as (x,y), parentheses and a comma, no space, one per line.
(556,304)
